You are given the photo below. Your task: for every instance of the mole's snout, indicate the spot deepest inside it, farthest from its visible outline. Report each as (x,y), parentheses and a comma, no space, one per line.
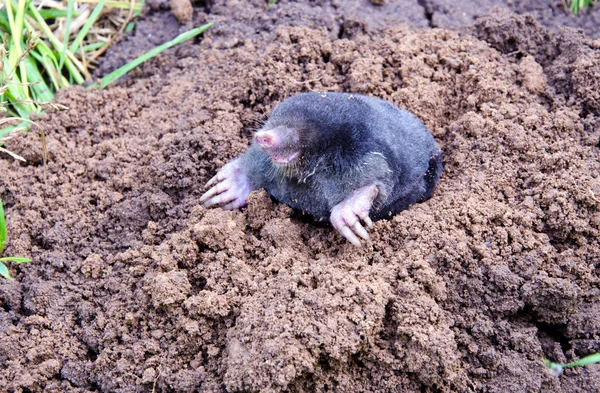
(266,139)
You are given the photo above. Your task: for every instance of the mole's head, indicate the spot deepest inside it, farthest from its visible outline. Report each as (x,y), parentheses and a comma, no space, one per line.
(282,144)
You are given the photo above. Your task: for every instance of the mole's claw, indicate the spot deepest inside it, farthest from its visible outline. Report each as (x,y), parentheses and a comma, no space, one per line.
(346,215)
(223,197)
(235,204)
(208,194)
(348,234)
(212,181)
(230,186)
(360,231)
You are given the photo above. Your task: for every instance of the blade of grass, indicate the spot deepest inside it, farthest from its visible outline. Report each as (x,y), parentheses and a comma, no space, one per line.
(91,47)
(55,14)
(4,272)
(576,5)
(10,17)
(67,34)
(45,56)
(13,51)
(17,89)
(14,47)
(585,361)
(19,20)
(71,62)
(136,13)
(117,4)
(108,79)
(17,40)
(4,21)
(86,27)
(41,91)
(15,260)
(557,368)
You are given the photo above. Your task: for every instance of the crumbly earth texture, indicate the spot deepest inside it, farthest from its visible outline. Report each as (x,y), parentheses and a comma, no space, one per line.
(134,287)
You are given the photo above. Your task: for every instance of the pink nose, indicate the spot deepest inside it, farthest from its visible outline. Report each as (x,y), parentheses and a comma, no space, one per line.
(265,139)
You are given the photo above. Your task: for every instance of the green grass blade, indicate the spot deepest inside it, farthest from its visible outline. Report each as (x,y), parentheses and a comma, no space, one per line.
(13,48)
(46,58)
(557,368)
(73,71)
(63,54)
(20,17)
(86,27)
(108,79)
(91,47)
(4,22)
(4,271)
(10,17)
(137,7)
(18,43)
(574,6)
(585,361)
(41,91)
(55,14)
(2,229)
(136,13)
(15,260)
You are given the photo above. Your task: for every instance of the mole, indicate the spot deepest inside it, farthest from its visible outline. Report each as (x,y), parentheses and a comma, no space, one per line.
(347,158)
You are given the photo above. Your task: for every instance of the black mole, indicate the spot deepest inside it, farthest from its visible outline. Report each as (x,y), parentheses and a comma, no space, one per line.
(338,156)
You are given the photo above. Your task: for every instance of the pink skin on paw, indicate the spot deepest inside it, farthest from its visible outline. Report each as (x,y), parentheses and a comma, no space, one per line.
(346,216)
(230,187)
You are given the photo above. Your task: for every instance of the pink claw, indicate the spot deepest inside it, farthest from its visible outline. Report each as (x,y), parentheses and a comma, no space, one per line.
(346,216)
(230,187)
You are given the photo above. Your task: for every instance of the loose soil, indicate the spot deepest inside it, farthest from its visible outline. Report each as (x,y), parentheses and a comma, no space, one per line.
(136,288)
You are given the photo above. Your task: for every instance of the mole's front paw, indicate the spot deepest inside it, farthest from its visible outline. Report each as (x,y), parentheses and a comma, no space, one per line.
(230,187)
(346,215)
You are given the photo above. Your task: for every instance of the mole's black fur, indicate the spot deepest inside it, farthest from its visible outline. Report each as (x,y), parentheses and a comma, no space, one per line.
(348,141)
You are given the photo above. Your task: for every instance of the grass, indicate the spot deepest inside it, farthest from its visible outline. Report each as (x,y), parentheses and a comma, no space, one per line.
(557,368)
(46,45)
(3,237)
(108,79)
(576,5)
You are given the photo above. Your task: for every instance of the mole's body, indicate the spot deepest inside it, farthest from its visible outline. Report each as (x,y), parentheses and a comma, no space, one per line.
(338,156)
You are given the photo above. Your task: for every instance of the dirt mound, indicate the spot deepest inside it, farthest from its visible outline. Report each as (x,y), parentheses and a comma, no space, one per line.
(238,21)
(136,288)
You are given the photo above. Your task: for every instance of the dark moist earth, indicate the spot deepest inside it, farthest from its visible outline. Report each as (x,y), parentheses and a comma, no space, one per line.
(136,288)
